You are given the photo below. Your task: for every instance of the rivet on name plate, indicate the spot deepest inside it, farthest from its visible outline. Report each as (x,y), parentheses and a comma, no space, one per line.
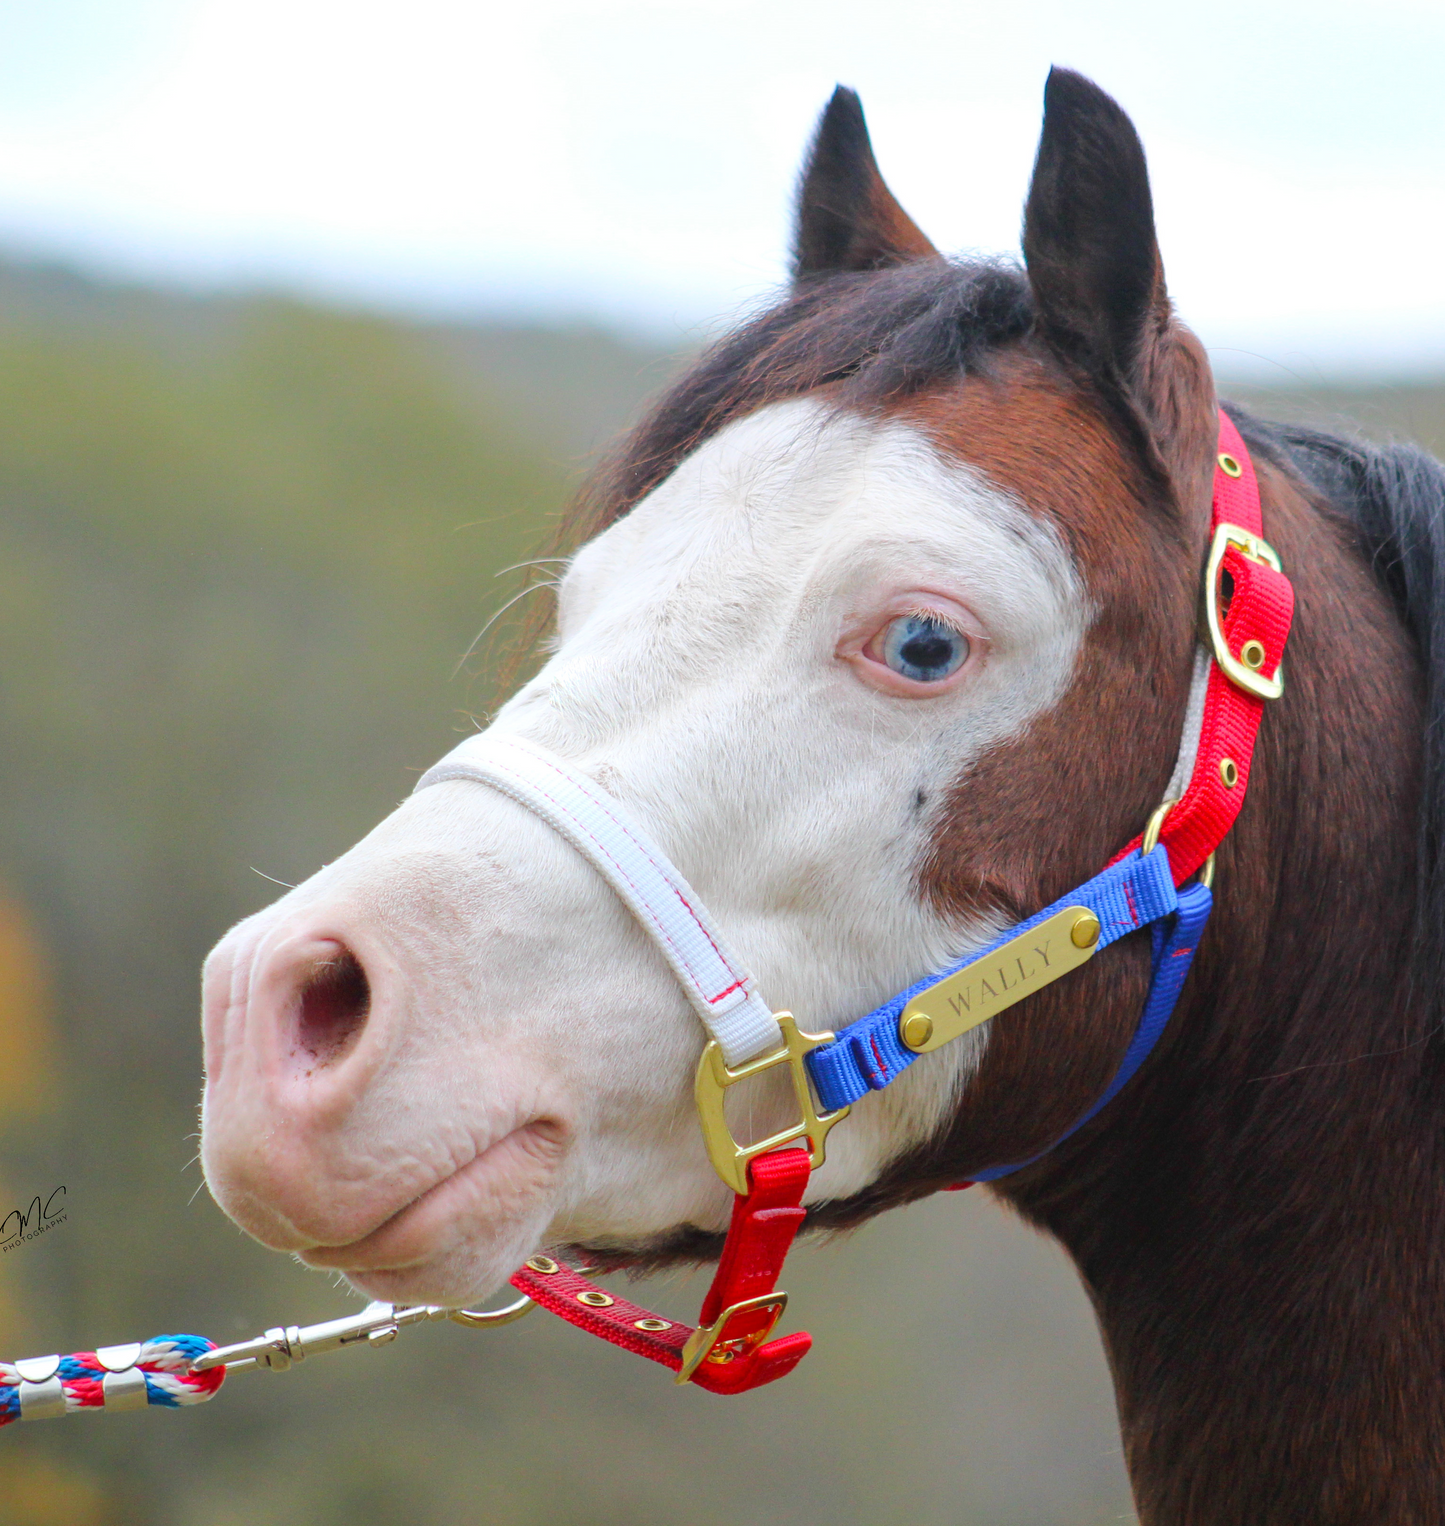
(917,1030)
(1085,931)
(544,1264)
(596,1300)
(652,1324)
(1229,466)
(1228,773)
(1251,654)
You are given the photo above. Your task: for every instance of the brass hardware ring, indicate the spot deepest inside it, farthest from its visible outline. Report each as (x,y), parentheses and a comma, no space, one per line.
(1251,547)
(1155,826)
(1151,841)
(489,1319)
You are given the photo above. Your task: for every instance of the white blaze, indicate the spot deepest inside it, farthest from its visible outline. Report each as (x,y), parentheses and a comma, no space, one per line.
(695,676)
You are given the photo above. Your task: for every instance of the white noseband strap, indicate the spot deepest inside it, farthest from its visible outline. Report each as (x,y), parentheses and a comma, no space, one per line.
(718,986)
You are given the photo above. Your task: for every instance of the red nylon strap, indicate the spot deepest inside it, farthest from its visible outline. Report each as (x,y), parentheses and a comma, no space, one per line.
(759,1237)
(1261,607)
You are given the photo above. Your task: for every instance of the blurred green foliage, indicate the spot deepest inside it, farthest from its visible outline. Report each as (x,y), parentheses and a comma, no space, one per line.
(246,547)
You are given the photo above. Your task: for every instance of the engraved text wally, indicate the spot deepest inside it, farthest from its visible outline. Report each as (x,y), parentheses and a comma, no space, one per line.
(980,990)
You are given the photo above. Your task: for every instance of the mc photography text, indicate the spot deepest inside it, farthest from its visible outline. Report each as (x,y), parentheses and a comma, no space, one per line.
(21,1225)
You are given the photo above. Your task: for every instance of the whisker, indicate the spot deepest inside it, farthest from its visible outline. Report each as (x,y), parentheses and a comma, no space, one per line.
(476,640)
(282,883)
(536,562)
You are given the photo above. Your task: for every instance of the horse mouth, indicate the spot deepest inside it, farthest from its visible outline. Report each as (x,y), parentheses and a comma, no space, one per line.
(490,1192)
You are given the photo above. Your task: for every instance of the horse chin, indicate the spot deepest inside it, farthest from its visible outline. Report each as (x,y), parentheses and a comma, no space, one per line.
(464,1276)
(683,1245)
(461,1239)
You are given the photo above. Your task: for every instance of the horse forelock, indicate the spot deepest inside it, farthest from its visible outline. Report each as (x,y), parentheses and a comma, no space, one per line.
(870,339)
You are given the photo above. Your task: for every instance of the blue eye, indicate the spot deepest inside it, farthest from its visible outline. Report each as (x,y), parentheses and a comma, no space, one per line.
(924,649)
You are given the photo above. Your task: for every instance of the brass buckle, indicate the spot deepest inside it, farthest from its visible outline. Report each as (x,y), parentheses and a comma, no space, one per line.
(729,1158)
(709,1344)
(1257,550)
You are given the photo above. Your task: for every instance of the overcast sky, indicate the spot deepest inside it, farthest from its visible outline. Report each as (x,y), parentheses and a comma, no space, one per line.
(633,161)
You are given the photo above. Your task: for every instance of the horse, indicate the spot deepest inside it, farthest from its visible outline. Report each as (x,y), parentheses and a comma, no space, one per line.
(884,623)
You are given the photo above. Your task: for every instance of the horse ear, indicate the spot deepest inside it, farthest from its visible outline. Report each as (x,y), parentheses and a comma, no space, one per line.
(1089,244)
(848,219)
(1098,283)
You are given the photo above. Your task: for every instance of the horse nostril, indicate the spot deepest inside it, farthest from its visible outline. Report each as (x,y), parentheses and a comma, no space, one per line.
(335,999)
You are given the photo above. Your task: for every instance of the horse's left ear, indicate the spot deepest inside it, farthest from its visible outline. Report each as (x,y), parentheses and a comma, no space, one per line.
(848,219)
(1098,282)
(1089,243)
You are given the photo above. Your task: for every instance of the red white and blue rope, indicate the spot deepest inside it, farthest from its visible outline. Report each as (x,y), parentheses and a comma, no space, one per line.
(164,1362)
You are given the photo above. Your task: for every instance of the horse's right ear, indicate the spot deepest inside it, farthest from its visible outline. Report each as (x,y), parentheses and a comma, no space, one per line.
(848,219)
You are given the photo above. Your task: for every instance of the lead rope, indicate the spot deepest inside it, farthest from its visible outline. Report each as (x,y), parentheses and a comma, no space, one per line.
(175,1370)
(157,1371)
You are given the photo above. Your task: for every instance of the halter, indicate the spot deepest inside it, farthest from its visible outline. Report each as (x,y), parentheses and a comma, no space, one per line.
(1160,881)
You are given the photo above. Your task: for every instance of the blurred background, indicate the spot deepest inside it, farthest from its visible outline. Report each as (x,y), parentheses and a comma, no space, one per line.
(311,316)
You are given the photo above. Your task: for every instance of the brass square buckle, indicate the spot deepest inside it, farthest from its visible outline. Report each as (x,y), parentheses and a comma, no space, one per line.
(729,1158)
(709,1343)
(1257,550)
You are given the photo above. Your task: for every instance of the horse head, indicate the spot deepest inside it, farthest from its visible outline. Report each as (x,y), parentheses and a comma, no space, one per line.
(868,590)
(884,629)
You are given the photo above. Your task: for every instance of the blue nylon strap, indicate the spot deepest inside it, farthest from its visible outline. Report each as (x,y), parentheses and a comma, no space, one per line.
(867,1055)
(1174,943)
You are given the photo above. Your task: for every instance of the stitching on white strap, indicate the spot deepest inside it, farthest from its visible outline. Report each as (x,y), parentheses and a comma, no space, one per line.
(719,987)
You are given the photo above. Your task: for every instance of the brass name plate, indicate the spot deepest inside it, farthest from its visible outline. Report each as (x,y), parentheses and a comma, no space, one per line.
(983,989)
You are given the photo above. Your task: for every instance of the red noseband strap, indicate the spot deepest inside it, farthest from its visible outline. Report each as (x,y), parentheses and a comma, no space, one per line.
(729,1351)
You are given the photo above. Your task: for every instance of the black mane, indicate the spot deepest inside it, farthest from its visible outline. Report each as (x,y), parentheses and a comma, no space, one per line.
(1394,496)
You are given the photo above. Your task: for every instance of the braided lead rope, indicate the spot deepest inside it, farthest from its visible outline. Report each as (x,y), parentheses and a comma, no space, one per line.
(155,1372)
(175,1370)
